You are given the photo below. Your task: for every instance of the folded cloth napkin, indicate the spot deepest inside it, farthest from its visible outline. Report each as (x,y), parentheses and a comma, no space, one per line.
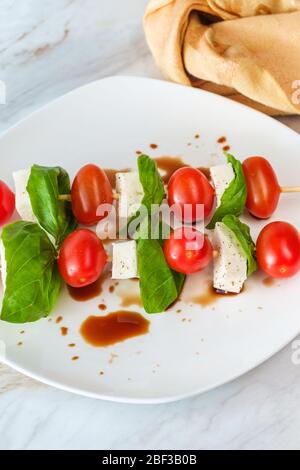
(248,50)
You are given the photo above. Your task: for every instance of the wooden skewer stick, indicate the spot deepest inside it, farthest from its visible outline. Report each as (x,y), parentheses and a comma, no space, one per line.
(290,189)
(67,197)
(64,197)
(215,255)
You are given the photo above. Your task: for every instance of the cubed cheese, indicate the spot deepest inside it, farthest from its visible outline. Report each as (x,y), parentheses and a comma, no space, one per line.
(230,265)
(131,193)
(221,176)
(23,204)
(3,264)
(124,260)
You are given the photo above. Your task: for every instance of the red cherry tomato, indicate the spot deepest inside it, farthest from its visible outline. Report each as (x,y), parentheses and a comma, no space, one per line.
(263,187)
(82,258)
(278,249)
(188,250)
(90,189)
(7,203)
(190,186)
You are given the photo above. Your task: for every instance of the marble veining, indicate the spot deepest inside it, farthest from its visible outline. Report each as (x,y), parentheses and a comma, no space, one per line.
(46,49)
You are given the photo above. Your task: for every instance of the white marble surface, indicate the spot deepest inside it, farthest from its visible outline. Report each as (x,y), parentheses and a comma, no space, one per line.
(46,49)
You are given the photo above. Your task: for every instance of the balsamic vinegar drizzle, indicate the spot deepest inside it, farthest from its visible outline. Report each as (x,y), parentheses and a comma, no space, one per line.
(113,328)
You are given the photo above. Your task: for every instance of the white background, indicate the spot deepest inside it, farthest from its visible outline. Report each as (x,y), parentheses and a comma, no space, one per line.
(46,49)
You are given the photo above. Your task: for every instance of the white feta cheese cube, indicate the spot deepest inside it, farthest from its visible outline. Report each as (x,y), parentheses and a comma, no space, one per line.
(23,204)
(230,265)
(124,260)
(3,265)
(221,176)
(131,193)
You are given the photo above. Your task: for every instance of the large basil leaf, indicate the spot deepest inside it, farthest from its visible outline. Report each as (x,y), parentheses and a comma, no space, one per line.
(179,279)
(32,277)
(153,186)
(159,285)
(154,273)
(44,186)
(234,198)
(243,236)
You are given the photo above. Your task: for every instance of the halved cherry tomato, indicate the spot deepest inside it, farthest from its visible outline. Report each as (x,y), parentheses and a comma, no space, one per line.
(90,189)
(82,258)
(190,186)
(187,250)
(263,187)
(278,250)
(7,203)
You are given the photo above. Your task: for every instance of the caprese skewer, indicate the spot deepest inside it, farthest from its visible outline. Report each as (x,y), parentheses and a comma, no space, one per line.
(55,248)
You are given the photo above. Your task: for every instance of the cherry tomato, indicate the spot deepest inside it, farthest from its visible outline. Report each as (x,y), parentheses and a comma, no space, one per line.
(82,258)
(190,186)
(90,189)
(263,187)
(188,250)
(7,203)
(278,249)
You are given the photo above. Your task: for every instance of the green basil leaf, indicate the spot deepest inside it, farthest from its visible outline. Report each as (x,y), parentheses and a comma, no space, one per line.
(44,186)
(234,198)
(179,279)
(32,277)
(243,236)
(153,186)
(148,284)
(153,189)
(152,183)
(159,285)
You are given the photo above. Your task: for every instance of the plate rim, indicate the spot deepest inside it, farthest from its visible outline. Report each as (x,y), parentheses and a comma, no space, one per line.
(141,401)
(167,83)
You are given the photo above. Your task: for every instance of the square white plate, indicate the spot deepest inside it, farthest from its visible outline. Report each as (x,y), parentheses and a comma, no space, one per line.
(185,353)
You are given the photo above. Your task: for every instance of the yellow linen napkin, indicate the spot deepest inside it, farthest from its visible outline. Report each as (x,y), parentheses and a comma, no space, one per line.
(248,50)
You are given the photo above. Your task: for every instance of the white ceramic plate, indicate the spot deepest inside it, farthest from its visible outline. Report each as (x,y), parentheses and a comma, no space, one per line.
(184,353)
